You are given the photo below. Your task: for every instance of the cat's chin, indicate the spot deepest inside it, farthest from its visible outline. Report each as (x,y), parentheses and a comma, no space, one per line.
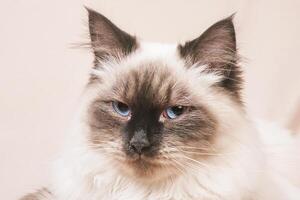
(146,169)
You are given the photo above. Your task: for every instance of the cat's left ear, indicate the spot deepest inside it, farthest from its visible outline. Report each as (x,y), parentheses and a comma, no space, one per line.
(107,40)
(216,48)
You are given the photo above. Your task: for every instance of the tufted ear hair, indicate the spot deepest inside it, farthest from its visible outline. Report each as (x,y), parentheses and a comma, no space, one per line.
(216,48)
(107,40)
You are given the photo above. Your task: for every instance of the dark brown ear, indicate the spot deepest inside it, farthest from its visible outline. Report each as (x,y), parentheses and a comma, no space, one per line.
(107,39)
(216,48)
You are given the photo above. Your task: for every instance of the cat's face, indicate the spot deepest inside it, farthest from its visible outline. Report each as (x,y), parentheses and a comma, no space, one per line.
(153,108)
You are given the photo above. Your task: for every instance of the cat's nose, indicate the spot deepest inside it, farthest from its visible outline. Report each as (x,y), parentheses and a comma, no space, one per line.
(139,143)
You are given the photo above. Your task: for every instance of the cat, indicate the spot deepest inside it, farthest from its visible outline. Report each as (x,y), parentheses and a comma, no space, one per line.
(167,122)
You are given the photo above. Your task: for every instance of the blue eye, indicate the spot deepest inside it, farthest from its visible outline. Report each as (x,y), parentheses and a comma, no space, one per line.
(121,108)
(173,112)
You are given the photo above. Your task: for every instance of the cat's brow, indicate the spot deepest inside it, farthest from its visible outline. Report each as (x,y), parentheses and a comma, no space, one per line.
(183,101)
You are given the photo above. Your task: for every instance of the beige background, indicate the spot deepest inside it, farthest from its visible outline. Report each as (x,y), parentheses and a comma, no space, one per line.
(41,76)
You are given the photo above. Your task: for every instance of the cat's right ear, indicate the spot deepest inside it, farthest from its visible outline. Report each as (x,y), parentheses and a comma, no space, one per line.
(107,40)
(216,49)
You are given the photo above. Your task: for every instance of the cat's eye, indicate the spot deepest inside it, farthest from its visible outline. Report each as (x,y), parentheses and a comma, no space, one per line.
(121,108)
(174,112)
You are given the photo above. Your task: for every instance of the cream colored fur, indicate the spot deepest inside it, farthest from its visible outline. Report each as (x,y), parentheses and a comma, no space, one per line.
(258,162)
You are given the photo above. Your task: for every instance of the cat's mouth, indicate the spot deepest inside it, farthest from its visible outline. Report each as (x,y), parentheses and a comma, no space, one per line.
(142,160)
(143,164)
(147,169)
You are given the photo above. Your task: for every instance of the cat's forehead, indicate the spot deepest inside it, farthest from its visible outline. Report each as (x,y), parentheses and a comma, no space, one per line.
(156,74)
(152,83)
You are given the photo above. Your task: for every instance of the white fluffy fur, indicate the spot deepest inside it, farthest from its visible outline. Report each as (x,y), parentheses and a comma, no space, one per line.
(259,161)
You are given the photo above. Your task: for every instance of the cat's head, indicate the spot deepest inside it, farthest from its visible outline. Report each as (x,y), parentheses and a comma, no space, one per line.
(155,109)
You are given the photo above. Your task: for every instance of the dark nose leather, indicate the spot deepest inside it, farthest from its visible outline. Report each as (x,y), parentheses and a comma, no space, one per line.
(139,143)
